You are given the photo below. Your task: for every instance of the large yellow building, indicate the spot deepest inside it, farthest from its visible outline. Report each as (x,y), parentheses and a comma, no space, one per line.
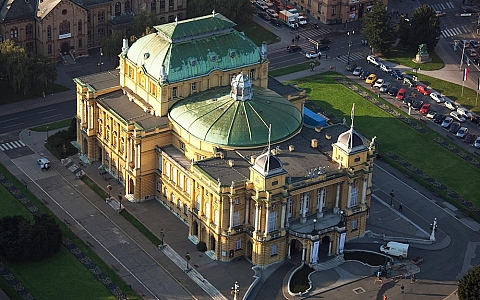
(71,27)
(192,120)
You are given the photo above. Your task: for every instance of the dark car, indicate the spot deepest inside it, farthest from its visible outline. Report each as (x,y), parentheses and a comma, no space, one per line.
(407,100)
(393,91)
(407,79)
(438,118)
(364,74)
(323,47)
(276,22)
(397,74)
(351,67)
(325,41)
(454,127)
(475,119)
(294,48)
(470,138)
(263,15)
(417,105)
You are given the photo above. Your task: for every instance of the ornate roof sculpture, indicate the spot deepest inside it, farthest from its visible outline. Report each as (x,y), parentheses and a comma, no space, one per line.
(351,141)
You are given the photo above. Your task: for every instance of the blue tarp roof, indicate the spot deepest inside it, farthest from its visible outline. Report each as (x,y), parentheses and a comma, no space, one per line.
(313,119)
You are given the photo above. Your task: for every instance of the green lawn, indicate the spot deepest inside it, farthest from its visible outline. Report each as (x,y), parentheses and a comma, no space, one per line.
(404,58)
(258,34)
(292,69)
(394,135)
(9,97)
(53,126)
(62,276)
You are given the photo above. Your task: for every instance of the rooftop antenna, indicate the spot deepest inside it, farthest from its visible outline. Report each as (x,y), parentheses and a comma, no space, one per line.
(213,12)
(268,153)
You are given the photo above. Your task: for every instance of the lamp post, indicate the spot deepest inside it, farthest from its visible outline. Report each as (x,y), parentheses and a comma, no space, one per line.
(101,62)
(434,228)
(392,195)
(187,258)
(416,74)
(162,235)
(350,33)
(47,132)
(235,290)
(120,200)
(109,188)
(314,225)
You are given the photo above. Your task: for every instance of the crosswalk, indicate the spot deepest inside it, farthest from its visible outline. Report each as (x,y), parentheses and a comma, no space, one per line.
(353,57)
(314,33)
(454,31)
(442,6)
(11,145)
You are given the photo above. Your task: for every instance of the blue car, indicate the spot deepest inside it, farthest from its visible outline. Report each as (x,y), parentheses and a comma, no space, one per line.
(397,74)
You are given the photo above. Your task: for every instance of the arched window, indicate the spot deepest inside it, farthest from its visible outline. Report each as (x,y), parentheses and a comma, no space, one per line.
(118,9)
(14,33)
(79,26)
(49,32)
(207,210)
(64,27)
(215,217)
(127,6)
(153,6)
(29,31)
(197,202)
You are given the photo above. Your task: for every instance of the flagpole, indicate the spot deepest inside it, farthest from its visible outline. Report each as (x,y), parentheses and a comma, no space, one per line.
(463,84)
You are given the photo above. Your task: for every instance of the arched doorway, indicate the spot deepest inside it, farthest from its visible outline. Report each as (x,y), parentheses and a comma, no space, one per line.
(131,187)
(195,228)
(212,243)
(249,251)
(65,48)
(100,154)
(323,250)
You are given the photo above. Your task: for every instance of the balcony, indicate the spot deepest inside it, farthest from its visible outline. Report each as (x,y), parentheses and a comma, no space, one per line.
(310,229)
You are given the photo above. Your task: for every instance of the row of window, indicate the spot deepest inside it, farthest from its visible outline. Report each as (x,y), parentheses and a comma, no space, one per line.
(273,248)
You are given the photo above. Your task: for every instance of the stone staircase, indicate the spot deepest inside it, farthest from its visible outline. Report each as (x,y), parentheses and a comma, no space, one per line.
(329,264)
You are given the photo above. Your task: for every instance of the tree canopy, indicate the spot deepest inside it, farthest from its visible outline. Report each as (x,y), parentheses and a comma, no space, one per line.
(25,72)
(469,285)
(422,28)
(378,29)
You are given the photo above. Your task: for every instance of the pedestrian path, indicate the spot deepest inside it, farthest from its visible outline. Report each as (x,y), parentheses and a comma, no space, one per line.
(353,57)
(12,145)
(454,31)
(442,6)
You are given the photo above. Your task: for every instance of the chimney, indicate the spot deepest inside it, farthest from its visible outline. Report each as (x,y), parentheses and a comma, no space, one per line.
(231,162)
(314,143)
(291,148)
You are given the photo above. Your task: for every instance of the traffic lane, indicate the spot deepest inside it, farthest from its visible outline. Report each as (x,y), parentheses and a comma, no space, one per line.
(282,58)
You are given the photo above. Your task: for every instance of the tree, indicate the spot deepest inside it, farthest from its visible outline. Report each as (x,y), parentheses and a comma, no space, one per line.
(231,9)
(422,28)
(469,285)
(378,29)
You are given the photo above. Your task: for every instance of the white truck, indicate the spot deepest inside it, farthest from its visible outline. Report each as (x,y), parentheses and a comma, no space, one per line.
(395,249)
(288,18)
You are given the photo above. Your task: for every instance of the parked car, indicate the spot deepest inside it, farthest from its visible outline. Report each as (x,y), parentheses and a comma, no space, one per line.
(272,13)
(423,90)
(447,122)
(44,163)
(439,13)
(276,21)
(431,114)
(462,132)
(385,68)
(475,119)
(463,43)
(401,94)
(393,91)
(378,83)
(357,71)
(476,144)
(385,87)
(471,52)
(425,108)
(261,5)
(457,116)
(323,47)
(311,54)
(407,100)
(397,74)
(417,104)
(470,138)
(438,118)
(437,97)
(464,112)
(364,74)
(325,41)
(372,59)
(371,79)
(454,127)
(450,105)
(474,43)
(263,15)
(407,79)
(294,48)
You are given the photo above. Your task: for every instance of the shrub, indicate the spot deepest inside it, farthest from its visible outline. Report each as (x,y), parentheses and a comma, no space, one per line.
(201,246)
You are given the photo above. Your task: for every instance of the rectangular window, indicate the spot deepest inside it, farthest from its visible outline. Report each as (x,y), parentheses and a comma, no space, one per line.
(353,199)
(274,183)
(181,181)
(237,201)
(162,4)
(101,17)
(273,250)
(159,186)
(354,224)
(174,92)
(167,169)
(174,175)
(194,86)
(170,4)
(252,74)
(236,218)
(333,11)
(182,146)
(160,163)
(187,186)
(238,244)
(304,197)
(272,221)
(357,159)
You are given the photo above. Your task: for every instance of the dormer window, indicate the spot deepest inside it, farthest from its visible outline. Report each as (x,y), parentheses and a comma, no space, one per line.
(233,53)
(213,58)
(193,62)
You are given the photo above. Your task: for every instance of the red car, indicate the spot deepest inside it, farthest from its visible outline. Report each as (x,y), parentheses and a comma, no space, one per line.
(401,94)
(425,108)
(423,89)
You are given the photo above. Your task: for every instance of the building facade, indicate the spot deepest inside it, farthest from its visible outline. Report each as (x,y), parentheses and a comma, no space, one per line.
(71,27)
(335,11)
(192,120)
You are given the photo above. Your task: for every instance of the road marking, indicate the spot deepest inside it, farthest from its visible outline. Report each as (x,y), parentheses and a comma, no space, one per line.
(12,145)
(353,57)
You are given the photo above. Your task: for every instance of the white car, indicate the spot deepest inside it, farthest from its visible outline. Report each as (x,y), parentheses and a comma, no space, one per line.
(431,114)
(378,84)
(357,71)
(385,68)
(372,59)
(457,117)
(450,105)
(471,52)
(437,97)
(272,13)
(44,163)
(464,112)
(313,54)
(462,132)
(476,144)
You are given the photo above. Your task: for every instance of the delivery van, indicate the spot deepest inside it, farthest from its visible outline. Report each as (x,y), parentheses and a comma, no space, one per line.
(395,249)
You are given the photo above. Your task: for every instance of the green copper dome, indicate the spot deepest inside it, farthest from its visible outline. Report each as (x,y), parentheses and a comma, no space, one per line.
(217,117)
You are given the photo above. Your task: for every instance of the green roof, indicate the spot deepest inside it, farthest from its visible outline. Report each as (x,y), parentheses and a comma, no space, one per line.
(215,117)
(188,51)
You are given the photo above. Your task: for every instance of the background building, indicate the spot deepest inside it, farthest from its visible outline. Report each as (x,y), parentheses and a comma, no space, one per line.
(192,120)
(71,27)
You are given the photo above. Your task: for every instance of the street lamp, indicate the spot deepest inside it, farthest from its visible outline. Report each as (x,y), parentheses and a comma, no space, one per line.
(47,132)
(101,56)
(314,225)
(120,200)
(434,228)
(235,290)
(109,188)
(187,258)
(350,33)
(162,235)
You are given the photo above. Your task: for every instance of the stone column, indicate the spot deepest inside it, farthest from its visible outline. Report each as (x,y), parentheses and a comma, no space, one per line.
(247,210)
(231,215)
(336,209)
(330,248)
(289,245)
(267,215)
(256,217)
(282,221)
(320,208)
(349,196)
(303,218)
(303,253)
(364,190)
